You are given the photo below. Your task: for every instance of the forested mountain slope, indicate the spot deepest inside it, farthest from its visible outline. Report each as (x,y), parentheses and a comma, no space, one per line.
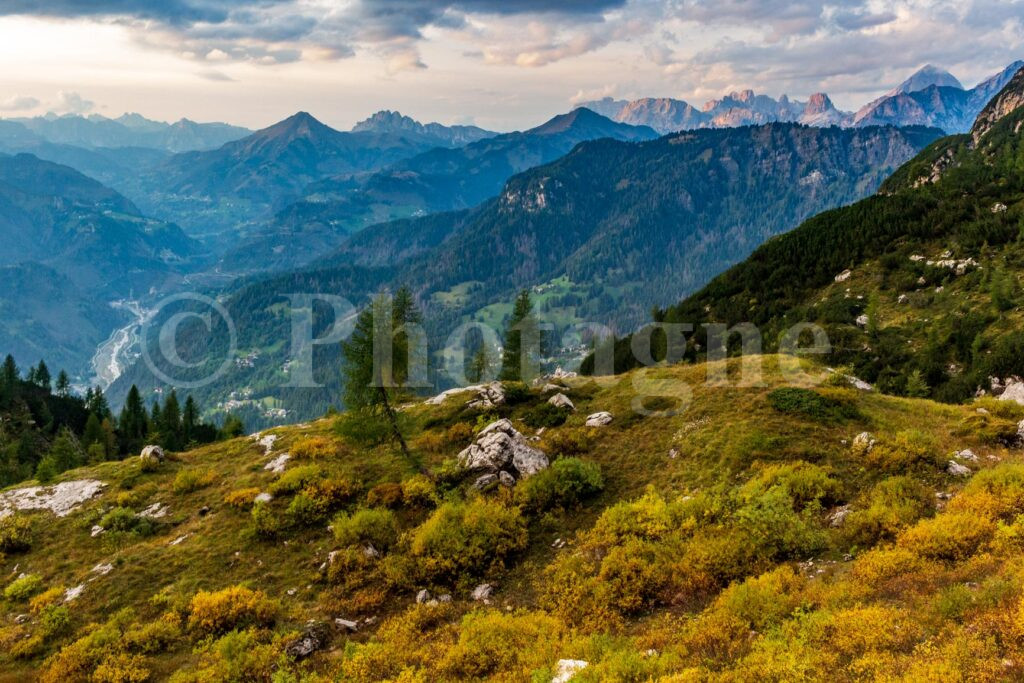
(934,267)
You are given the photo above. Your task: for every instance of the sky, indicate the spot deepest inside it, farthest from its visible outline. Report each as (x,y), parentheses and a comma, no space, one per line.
(500,64)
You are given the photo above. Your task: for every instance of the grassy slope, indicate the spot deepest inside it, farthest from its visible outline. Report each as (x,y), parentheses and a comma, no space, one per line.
(724,439)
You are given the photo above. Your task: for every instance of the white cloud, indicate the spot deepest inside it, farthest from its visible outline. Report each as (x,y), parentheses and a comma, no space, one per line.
(19,103)
(70,102)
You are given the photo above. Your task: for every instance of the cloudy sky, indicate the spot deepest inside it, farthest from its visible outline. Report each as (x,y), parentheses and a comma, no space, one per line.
(502,64)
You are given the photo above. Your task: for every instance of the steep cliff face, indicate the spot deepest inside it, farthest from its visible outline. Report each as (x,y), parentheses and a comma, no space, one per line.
(1009,99)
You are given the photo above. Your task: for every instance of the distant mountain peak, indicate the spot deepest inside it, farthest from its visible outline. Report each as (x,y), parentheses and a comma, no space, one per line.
(387,120)
(924,78)
(1009,100)
(301,125)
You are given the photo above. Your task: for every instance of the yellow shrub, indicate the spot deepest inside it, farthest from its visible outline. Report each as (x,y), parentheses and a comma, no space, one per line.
(388,494)
(30,647)
(858,630)
(48,597)
(460,434)
(884,564)
(296,479)
(217,612)
(419,492)
(241,498)
(908,450)
(763,600)
(952,536)
(121,668)
(997,493)
(431,442)
(193,479)
(315,448)
(510,646)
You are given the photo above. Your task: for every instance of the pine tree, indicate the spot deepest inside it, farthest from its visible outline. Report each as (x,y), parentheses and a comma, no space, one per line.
(134,423)
(42,377)
(63,384)
(189,421)
(66,452)
(93,433)
(96,402)
(155,423)
(170,424)
(9,373)
(519,361)
(366,381)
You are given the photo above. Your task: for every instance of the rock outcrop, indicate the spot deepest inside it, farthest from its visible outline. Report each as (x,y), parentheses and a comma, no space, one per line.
(60,499)
(602,419)
(1009,99)
(501,448)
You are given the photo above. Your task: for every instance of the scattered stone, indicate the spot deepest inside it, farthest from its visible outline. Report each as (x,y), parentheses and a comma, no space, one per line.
(862,320)
(506,479)
(601,419)
(673,454)
(278,464)
(982,411)
(957,470)
(313,638)
(558,543)
(500,447)
(21,619)
(422,597)
(370,620)
(859,384)
(155,511)
(347,625)
(844,276)
(488,396)
(548,388)
(967,454)
(943,495)
(179,540)
(838,516)
(152,455)
(369,552)
(562,401)
(263,498)
(444,598)
(103,569)
(999,207)
(903,299)
(864,443)
(483,592)
(266,441)
(205,510)
(292,591)
(567,668)
(60,499)
(485,481)
(73,593)
(96,530)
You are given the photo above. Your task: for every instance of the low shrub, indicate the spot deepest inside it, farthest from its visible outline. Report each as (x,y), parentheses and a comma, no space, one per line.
(50,596)
(952,536)
(318,499)
(515,393)
(546,415)
(122,668)
(419,492)
(242,499)
(376,526)
(569,442)
(461,540)
(908,451)
(763,601)
(997,493)
(245,655)
(213,613)
(296,479)
(566,484)
(810,404)
(54,620)
(805,483)
(891,505)
(16,533)
(266,523)
(460,434)
(388,494)
(193,479)
(23,588)
(124,520)
(315,448)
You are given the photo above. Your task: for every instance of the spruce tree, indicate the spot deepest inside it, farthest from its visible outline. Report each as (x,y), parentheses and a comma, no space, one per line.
(42,377)
(9,373)
(189,421)
(134,423)
(170,424)
(365,379)
(518,361)
(63,384)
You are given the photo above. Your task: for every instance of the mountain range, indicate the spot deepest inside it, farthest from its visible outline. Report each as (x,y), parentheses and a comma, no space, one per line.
(602,234)
(930,97)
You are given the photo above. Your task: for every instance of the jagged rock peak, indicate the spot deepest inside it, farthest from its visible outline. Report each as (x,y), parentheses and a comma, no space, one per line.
(1009,99)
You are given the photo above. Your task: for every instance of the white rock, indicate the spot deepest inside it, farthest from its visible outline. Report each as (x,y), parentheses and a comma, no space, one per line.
(488,396)
(601,419)
(859,384)
(548,388)
(506,479)
(95,531)
(999,207)
(155,511)
(1014,391)
(903,299)
(968,455)
(862,320)
(485,481)
(499,446)
(73,593)
(843,276)
(483,592)
(839,516)
(266,441)
(154,453)
(423,596)
(346,625)
(278,464)
(179,540)
(957,470)
(60,499)
(567,668)
(562,401)
(263,498)
(103,569)
(864,443)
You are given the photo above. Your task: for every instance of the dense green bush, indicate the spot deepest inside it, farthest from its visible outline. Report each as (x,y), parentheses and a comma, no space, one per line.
(376,526)
(546,415)
(16,532)
(296,479)
(121,519)
(566,483)
(23,588)
(463,540)
(809,404)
